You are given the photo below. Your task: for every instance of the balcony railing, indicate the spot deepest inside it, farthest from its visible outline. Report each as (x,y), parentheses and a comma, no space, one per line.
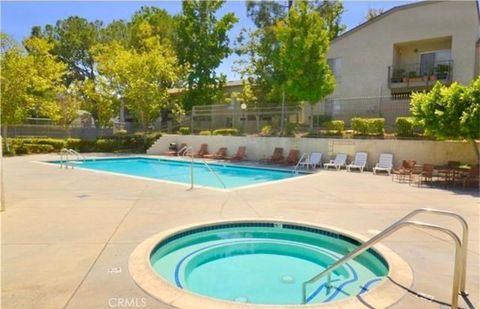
(420,74)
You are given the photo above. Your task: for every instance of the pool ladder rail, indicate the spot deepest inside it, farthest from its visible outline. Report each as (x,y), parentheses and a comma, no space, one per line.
(188,152)
(460,266)
(64,159)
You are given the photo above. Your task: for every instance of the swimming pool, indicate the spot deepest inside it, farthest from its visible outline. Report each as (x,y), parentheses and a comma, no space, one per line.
(233,176)
(256,262)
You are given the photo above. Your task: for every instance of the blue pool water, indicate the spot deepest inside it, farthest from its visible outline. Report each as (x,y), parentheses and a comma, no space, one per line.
(265,263)
(179,171)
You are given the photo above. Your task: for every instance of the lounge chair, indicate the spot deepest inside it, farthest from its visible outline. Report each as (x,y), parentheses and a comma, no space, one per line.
(240,155)
(314,159)
(359,162)
(220,154)
(472,178)
(293,157)
(425,176)
(404,172)
(385,163)
(176,152)
(340,160)
(276,157)
(203,151)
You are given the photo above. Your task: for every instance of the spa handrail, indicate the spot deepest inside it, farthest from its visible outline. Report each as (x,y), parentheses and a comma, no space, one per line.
(300,161)
(65,152)
(458,285)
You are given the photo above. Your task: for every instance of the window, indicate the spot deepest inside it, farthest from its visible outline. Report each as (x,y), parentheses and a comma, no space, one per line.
(336,67)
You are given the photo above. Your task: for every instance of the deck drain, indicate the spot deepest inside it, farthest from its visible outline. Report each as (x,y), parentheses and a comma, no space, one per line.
(241,299)
(115,270)
(288,279)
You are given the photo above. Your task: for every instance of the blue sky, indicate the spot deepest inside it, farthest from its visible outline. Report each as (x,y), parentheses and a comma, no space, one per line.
(18,17)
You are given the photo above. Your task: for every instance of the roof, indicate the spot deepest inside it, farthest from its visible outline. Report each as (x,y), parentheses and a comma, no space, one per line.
(386,13)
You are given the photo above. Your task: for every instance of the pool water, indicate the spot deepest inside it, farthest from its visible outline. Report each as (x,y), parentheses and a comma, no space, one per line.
(265,264)
(179,171)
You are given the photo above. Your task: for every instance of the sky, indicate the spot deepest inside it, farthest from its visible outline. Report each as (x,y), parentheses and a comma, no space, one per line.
(18,17)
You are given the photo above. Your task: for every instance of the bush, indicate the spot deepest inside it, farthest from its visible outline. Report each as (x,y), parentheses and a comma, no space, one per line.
(38,148)
(184,130)
(206,132)
(106,145)
(335,126)
(121,132)
(291,129)
(404,126)
(56,143)
(368,126)
(267,130)
(225,132)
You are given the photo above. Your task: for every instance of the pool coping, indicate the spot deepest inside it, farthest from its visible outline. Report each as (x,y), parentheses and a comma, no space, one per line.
(166,158)
(383,295)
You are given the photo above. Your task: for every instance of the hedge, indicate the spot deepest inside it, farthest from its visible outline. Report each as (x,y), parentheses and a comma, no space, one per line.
(368,126)
(184,130)
(122,143)
(206,132)
(335,126)
(291,129)
(267,130)
(225,132)
(404,126)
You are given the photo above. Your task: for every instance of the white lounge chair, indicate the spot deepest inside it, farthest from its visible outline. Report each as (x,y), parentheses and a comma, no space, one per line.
(314,159)
(339,161)
(385,163)
(359,162)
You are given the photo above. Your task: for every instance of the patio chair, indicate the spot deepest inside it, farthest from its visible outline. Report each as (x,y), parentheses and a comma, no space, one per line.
(425,175)
(292,158)
(404,172)
(176,152)
(314,159)
(220,154)
(240,155)
(472,178)
(385,164)
(276,157)
(359,162)
(203,151)
(340,160)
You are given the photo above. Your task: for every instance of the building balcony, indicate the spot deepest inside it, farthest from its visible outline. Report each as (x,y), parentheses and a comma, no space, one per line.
(419,76)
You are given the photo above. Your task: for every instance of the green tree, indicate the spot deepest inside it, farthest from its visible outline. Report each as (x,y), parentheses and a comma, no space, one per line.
(331,12)
(449,111)
(201,46)
(372,13)
(46,82)
(99,99)
(302,57)
(16,73)
(73,38)
(140,78)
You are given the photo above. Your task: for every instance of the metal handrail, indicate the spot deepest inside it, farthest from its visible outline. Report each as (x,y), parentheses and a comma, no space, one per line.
(192,182)
(65,152)
(458,286)
(300,161)
(214,173)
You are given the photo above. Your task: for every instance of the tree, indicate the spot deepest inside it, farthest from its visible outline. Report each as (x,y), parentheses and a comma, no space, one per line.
(46,82)
(259,52)
(331,12)
(140,78)
(99,99)
(449,111)
(302,57)
(372,13)
(73,38)
(17,71)
(201,46)
(31,79)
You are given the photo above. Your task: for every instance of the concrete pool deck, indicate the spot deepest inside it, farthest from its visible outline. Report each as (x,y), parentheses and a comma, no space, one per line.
(67,234)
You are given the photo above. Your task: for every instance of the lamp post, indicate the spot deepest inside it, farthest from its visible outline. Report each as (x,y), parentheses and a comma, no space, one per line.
(243,106)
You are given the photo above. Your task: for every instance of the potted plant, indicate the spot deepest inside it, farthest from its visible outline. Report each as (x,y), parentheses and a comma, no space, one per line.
(398,76)
(442,71)
(413,77)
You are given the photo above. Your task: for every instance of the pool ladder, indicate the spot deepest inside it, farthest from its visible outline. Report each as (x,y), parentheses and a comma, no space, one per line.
(64,160)
(188,152)
(460,267)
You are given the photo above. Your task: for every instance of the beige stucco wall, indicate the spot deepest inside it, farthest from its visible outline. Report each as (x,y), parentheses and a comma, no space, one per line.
(367,52)
(262,147)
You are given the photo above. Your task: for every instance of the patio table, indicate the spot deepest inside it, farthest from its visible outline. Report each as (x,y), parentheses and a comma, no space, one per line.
(450,174)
